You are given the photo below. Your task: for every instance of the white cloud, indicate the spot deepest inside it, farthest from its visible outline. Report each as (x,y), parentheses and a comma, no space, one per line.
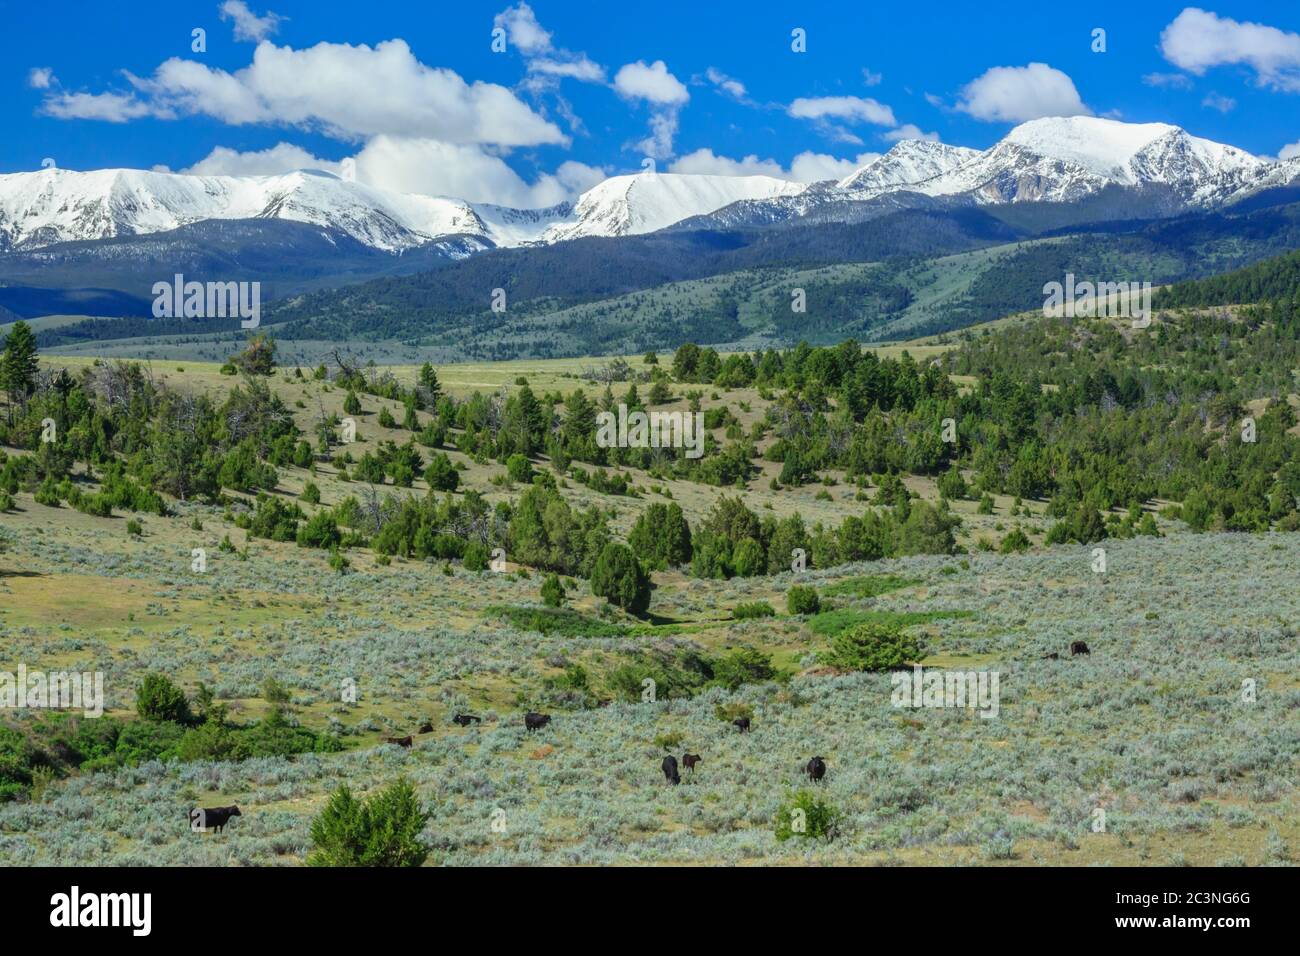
(706,162)
(248,25)
(1014,94)
(665,94)
(852,109)
(909,131)
(420,166)
(663,129)
(1170,81)
(106,107)
(807,167)
(40,78)
(533,41)
(727,84)
(1224,104)
(810,167)
(1198,40)
(869,78)
(465,171)
(280,158)
(523,30)
(1290,151)
(578,68)
(652,83)
(351,92)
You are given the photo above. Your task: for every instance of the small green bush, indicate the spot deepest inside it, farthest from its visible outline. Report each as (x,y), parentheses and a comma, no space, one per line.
(802,599)
(752,609)
(159,699)
(872,646)
(805,814)
(382,831)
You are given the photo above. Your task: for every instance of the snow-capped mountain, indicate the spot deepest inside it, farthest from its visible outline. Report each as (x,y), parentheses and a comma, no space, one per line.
(58,205)
(1058,160)
(910,161)
(630,205)
(1054,160)
(1067,159)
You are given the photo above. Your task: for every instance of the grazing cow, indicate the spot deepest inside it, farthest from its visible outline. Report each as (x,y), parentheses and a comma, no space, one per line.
(400,741)
(689,761)
(425,728)
(466,719)
(1052,656)
(1079,647)
(670,769)
(536,721)
(215,818)
(742,724)
(816,769)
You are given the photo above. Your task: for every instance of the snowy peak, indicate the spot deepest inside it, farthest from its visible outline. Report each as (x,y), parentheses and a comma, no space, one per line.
(1058,160)
(1132,153)
(59,205)
(630,205)
(910,161)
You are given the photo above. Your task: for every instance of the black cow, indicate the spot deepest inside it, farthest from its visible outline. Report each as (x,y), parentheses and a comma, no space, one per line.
(202,818)
(689,761)
(1079,647)
(400,741)
(425,728)
(536,721)
(466,719)
(816,769)
(670,769)
(742,724)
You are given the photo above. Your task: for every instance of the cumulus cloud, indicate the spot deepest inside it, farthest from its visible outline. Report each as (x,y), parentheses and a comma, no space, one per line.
(106,107)
(705,162)
(465,171)
(1198,40)
(850,109)
(810,167)
(525,34)
(664,93)
(40,78)
(909,131)
(248,25)
(523,30)
(420,166)
(1014,94)
(350,92)
(830,113)
(652,83)
(807,167)
(280,158)
(1290,151)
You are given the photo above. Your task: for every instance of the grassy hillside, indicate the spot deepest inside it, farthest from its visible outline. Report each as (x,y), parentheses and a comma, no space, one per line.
(1150,728)
(330,562)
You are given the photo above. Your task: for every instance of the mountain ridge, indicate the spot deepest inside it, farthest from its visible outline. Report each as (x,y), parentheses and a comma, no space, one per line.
(1047,160)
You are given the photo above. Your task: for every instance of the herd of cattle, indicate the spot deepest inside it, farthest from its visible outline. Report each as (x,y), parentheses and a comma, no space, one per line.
(215,818)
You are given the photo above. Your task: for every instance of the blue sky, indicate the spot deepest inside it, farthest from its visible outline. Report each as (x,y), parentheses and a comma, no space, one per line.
(416,96)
